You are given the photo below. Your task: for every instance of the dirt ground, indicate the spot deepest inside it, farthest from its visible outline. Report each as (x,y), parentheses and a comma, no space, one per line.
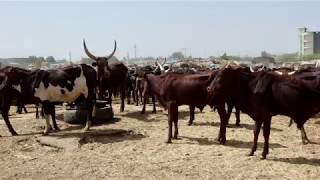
(132,146)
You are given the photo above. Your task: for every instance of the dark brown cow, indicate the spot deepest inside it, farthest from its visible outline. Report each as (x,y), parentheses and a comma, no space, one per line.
(173,90)
(263,95)
(111,75)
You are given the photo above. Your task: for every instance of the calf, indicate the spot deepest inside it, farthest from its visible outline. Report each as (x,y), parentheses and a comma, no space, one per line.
(48,87)
(263,95)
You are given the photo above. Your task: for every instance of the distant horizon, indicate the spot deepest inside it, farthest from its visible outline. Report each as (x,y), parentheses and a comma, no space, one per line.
(200,29)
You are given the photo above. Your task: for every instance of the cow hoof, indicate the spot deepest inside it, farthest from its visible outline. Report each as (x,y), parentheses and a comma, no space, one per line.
(238,125)
(45,133)
(154,112)
(306,142)
(168,142)
(190,123)
(14,133)
(263,157)
(57,128)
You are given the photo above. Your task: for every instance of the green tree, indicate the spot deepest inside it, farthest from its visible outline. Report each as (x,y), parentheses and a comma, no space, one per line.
(50,59)
(224,56)
(177,55)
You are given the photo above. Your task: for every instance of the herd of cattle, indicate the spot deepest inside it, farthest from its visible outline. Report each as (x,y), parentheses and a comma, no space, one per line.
(259,92)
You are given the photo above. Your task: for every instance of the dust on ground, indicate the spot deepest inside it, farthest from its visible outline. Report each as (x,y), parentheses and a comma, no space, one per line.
(132,146)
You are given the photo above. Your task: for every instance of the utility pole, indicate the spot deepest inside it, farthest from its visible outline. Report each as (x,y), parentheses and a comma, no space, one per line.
(135,51)
(70,56)
(128,56)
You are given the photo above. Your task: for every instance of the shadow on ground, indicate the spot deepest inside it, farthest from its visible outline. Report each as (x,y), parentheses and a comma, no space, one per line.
(250,127)
(248,145)
(299,160)
(104,136)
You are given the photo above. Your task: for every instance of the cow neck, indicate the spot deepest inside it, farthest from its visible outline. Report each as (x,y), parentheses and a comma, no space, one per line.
(155,82)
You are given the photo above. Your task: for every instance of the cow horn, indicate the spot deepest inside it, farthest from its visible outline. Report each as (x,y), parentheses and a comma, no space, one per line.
(251,69)
(114,50)
(91,56)
(165,60)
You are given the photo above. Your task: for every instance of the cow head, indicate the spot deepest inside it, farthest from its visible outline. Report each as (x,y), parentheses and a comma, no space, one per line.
(223,80)
(261,83)
(100,62)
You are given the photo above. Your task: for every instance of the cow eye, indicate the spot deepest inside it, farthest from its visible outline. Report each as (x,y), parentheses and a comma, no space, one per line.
(94,64)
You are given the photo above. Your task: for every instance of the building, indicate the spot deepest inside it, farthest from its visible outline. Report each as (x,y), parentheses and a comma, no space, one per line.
(309,42)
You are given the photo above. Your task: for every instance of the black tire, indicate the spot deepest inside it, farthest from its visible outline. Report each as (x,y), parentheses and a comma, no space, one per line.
(74,116)
(104,114)
(79,116)
(101,103)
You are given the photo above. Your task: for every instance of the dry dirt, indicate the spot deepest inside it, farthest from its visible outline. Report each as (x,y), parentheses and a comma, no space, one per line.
(133,147)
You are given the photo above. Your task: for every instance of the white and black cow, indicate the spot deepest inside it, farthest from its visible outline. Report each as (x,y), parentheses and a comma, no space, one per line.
(48,87)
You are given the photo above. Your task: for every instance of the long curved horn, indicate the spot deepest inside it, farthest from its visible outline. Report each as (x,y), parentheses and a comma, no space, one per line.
(91,56)
(251,69)
(165,60)
(114,50)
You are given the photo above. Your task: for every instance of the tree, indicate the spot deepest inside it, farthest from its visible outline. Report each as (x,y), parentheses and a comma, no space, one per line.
(85,60)
(288,57)
(50,59)
(177,55)
(224,56)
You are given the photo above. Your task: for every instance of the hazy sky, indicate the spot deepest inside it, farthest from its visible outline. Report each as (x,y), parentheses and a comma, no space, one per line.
(157,28)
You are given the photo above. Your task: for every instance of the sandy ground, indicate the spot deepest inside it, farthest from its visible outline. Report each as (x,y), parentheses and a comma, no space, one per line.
(133,147)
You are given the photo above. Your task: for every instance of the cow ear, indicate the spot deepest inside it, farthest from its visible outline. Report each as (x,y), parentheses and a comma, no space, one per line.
(94,64)
(260,83)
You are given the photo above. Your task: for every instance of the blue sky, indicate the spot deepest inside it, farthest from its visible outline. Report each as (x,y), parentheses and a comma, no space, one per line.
(157,28)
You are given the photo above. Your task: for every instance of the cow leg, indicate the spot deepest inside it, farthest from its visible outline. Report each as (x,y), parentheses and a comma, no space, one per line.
(154,104)
(266,135)
(110,96)
(19,110)
(191,109)
(128,94)
(256,132)
(223,124)
(175,115)
(304,136)
(137,98)
(230,107)
(53,117)
(24,109)
(122,96)
(47,112)
(5,115)
(140,93)
(145,97)
(134,95)
(91,113)
(171,115)
(237,116)
(37,112)
(290,122)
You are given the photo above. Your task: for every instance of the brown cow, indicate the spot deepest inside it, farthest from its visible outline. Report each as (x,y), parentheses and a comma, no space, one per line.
(263,95)
(173,90)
